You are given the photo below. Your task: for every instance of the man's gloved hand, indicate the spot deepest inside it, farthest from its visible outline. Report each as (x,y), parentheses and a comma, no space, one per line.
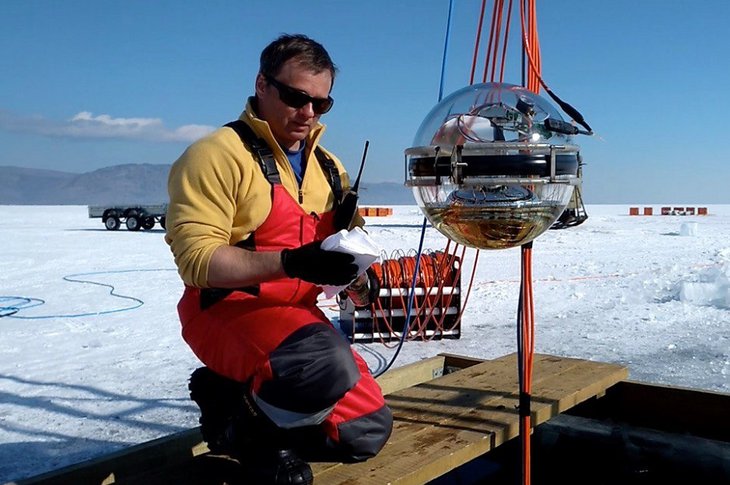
(312,263)
(364,290)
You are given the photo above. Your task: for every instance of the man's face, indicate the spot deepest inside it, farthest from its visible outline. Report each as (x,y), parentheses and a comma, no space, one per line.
(291,125)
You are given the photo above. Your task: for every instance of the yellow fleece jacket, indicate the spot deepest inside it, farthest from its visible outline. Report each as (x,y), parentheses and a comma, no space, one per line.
(219,195)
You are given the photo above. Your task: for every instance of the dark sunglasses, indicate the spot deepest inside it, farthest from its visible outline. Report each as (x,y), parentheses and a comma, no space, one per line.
(296,98)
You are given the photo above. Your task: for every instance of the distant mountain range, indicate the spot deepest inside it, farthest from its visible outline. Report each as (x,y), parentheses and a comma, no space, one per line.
(131,183)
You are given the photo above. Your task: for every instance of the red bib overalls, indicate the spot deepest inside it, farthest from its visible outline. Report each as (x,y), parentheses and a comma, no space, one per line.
(286,347)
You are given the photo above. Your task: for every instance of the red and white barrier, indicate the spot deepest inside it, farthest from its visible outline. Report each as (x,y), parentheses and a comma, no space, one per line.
(670,211)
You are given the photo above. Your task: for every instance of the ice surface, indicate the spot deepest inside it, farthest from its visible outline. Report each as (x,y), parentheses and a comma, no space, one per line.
(617,288)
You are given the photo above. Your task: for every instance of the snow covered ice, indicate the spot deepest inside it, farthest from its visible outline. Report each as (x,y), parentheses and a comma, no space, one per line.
(84,372)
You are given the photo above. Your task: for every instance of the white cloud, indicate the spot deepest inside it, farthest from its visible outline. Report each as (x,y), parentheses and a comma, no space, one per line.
(108,120)
(190,132)
(85,125)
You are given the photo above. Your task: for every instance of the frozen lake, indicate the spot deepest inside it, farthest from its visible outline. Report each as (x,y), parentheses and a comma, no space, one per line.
(84,372)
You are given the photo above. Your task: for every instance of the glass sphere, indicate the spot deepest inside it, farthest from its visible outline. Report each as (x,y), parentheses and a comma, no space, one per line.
(488,168)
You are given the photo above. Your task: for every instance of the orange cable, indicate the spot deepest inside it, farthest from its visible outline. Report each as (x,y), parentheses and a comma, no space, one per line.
(386,283)
(428,280)
(425,283)
(376,305)
(388,326)
(405,283)
(488,58)
(476,44)
(536,47)
(409,266)
(395,271)
(527,345)
(534,75)
(468,290)
(497,36)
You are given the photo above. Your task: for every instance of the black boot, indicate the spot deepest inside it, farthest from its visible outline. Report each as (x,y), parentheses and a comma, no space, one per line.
(276,466)
(216,396)
(233,425)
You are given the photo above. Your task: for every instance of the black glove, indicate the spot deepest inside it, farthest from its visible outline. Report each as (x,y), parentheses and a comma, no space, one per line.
(312,263)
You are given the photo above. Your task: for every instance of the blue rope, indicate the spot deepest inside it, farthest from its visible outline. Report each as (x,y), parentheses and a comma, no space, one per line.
(446,48)
(412,294)
(11,305)
(411,297)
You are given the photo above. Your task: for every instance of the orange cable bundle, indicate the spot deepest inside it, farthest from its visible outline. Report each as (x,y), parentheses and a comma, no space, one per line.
(531,45)
(526,354)
(436,270)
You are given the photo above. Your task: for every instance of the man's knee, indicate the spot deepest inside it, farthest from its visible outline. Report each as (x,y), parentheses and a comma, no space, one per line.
(364,437)
(311,370)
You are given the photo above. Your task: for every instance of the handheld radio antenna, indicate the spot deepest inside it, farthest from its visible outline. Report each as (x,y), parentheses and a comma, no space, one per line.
(362,166)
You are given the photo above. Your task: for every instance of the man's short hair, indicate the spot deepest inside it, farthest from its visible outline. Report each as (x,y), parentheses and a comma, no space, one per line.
(309,54)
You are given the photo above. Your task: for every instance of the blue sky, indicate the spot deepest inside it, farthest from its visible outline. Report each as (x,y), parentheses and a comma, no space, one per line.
(88,84)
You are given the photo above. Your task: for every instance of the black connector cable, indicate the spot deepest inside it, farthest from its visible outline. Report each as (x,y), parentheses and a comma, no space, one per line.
(570,111)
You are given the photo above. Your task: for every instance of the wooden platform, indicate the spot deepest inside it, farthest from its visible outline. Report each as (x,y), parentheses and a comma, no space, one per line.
(446,422)
(448,410)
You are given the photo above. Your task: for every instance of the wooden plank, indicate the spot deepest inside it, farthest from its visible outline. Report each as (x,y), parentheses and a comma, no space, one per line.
(412,374)
(168,452)
(447,422)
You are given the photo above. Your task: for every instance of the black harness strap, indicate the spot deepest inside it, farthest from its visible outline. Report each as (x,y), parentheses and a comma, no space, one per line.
(263,153)
(333,175)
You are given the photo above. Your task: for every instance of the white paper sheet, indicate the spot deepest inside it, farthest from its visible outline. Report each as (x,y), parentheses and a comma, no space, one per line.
(355,242)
